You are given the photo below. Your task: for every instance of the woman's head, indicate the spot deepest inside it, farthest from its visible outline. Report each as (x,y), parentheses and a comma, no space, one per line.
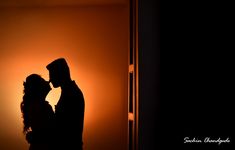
(36,87)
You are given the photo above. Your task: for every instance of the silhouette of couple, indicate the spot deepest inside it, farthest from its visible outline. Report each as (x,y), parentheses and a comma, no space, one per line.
(48,130)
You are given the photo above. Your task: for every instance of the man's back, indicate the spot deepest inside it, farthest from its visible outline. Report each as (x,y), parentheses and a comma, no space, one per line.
(69,114)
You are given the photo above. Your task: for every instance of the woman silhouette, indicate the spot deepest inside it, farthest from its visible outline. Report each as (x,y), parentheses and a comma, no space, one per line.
(38,116)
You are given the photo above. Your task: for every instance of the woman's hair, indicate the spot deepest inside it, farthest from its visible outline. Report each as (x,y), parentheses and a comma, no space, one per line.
(35,88)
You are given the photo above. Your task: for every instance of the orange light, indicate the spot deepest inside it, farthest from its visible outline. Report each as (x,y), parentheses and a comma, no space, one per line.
(94,41)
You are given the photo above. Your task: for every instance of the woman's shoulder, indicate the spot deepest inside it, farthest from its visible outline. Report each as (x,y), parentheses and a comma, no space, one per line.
(41,107)
(47,104)
(48,107)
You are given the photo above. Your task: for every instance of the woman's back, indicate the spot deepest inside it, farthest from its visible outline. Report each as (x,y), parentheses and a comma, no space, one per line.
(42,122)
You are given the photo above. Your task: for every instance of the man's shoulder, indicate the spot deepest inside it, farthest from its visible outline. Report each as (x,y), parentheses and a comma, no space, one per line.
(76,89)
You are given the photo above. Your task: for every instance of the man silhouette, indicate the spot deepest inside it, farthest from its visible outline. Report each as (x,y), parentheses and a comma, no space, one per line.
(69,111)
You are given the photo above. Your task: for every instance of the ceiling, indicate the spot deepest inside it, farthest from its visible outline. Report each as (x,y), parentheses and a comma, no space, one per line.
(20,3)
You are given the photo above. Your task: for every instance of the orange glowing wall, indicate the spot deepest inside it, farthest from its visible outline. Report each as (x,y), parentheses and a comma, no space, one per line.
(94,40)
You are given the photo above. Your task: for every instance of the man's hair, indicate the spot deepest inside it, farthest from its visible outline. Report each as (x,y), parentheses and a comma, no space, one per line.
(59,66)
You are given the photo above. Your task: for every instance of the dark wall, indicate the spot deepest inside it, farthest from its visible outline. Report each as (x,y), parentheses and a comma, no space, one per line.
(149,59)
(193,96)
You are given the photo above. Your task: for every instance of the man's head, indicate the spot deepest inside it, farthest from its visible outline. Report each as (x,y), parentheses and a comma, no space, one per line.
(58,72)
